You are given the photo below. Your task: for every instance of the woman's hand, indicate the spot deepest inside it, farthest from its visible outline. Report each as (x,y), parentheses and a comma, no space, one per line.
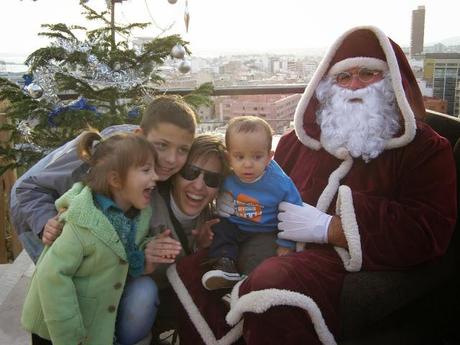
(204,234)
(162,249)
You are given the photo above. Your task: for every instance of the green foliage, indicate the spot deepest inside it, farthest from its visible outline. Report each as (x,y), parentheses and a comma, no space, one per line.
(69,62)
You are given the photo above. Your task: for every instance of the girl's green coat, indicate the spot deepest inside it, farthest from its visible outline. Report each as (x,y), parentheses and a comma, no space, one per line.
(76,288)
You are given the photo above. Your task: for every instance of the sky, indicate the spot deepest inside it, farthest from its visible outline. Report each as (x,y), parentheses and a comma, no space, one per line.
(222,27)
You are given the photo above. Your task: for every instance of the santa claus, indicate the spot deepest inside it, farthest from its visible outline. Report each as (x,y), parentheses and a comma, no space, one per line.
(378,187)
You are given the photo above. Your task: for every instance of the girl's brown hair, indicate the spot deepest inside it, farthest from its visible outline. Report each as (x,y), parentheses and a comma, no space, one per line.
(117,153)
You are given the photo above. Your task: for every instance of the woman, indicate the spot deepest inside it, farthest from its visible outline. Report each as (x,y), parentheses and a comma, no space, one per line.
(184,213)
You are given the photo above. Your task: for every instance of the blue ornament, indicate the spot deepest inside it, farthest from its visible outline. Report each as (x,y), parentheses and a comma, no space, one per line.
(27,78)
(80,104)
(133,113)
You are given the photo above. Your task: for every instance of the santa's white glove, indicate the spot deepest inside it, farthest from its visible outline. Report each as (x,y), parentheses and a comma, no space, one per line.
(224,205)
(302,223)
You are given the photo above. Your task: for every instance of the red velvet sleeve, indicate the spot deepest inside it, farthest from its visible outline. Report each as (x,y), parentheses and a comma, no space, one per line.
(415,224)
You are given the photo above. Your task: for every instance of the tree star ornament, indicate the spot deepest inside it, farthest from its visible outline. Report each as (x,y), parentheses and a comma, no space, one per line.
(185,66)
(178,51)
(34,90)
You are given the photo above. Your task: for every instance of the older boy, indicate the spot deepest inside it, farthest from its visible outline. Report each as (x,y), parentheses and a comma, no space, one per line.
(256,186)
(168,123)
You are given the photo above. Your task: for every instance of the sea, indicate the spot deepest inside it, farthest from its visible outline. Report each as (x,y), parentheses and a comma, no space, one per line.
(12,64)
(13,68)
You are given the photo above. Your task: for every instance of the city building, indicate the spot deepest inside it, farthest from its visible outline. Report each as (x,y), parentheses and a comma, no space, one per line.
(435,104)
(442,73)
(277,110)
(417,31)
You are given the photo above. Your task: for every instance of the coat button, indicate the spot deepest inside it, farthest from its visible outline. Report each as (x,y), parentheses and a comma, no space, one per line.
(123,262)
(111,309)
(117,286)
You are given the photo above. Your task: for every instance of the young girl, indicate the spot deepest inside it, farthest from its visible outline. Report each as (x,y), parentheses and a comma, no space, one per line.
(79,280)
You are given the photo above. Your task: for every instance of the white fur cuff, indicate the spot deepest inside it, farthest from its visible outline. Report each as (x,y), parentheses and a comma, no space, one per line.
(353,258)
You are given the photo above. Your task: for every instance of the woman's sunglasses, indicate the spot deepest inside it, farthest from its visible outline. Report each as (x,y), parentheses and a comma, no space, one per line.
(191,172)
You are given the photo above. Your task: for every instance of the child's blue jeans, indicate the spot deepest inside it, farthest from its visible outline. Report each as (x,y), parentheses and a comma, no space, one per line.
(137,310)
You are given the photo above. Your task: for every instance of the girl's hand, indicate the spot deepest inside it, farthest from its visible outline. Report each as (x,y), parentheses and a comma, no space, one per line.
(204,234)
(162,249)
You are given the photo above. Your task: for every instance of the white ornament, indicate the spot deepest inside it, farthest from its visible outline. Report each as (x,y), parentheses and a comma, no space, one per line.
(178,51)
(35,91)
(185,66)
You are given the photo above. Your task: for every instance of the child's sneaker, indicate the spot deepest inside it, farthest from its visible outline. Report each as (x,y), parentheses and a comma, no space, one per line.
(223,275)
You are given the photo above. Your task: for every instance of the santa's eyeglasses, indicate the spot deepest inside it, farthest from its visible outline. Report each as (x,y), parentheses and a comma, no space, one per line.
(191,172)
(365,75)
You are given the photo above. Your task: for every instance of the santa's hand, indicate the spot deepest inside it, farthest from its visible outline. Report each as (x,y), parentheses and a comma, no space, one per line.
(224,205)
(302,223)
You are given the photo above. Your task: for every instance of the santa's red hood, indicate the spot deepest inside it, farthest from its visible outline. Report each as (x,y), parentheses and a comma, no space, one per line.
(367,42)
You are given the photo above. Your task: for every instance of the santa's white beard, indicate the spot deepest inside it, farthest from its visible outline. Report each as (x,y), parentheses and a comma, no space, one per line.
(360,120)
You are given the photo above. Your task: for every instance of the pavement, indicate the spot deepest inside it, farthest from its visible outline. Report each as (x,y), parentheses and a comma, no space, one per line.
(14,280)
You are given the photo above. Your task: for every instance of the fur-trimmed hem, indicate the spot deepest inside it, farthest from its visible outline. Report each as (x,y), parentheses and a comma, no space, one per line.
(333,184)
(195,316)
(262,300)
(353,258)
(256,302)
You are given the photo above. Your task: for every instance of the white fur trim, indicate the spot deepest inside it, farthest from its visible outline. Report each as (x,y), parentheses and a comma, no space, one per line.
(260,301)
(406,110)
(359,61)
(195,316)
(333,183)
(353,258)
(235,293)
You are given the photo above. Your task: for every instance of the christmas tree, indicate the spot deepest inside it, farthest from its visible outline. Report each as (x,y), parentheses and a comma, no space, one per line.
(73,83)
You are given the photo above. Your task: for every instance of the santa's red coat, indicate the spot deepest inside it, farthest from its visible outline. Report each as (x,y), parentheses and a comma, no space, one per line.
(397,211)
(405,208)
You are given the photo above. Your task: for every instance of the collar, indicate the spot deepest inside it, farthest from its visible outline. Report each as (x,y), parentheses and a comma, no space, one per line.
(105,202)
(181,216)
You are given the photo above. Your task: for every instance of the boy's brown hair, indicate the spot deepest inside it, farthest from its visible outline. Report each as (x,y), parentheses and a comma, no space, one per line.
(248,124)
(118,153)
(170,109)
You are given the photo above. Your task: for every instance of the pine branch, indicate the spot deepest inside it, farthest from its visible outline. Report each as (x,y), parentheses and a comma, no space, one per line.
(62,28)
(200,96)
(91,14)
(159,49)
(42,56)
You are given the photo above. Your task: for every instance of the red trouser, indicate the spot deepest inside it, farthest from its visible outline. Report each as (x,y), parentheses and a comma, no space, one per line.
(317,272)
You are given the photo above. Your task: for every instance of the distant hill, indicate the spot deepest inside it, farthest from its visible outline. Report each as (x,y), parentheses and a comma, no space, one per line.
(451,41)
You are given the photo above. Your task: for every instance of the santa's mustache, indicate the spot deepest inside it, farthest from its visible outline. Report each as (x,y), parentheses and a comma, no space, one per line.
(359,95)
